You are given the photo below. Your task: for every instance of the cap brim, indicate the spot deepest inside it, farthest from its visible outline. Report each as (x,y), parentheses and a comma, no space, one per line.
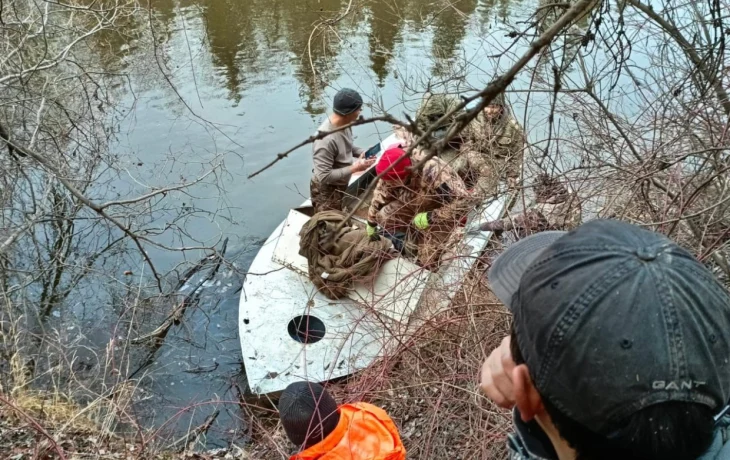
(507,270)
(347,111)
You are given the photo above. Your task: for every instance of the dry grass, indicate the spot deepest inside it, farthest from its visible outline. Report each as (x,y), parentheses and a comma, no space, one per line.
(27,425)
(429,386)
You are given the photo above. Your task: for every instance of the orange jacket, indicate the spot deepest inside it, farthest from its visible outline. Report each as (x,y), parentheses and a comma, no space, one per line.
(365,432)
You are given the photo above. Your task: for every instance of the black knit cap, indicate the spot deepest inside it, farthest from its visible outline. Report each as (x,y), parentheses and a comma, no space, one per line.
(347,101)
(308,412)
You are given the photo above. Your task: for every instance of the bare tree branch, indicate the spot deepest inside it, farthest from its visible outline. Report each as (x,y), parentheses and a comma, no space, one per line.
(709,75)
(486,96)
(322,134)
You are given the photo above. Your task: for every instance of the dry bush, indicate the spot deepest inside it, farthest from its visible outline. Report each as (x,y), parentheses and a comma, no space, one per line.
(428,385)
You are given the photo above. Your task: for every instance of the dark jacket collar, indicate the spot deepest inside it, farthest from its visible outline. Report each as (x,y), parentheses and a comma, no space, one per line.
(529,441)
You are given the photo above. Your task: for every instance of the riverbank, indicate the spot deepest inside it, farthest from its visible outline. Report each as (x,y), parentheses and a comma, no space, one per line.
(428,386)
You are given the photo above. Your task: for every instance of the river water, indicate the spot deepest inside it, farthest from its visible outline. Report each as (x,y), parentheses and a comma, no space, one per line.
(246,80)
(260,72)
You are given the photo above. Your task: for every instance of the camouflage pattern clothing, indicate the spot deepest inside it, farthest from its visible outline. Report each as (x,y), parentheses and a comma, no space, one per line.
(477,171)
(435,106)
(326,197)
(436,189)
(501,136)
(494,145)
(555,208)
(542,217)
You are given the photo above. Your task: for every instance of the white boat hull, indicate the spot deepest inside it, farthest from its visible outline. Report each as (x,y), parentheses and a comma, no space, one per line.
(358,329)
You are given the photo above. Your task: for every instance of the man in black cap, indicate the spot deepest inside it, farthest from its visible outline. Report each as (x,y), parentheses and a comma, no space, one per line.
(355,431)
(334,155)
(620,347)
(308,412)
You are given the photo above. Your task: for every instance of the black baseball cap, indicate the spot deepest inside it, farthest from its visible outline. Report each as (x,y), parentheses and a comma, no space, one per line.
(347,101)
(612,318)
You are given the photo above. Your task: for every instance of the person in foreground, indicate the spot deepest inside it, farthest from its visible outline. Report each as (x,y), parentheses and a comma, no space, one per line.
(620,347)
(358,431)
(335,156)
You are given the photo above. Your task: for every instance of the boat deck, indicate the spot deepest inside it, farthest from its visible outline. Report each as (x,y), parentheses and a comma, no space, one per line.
(348,334)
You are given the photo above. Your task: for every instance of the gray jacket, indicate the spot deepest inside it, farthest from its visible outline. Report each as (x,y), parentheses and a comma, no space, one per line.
(333,155)
(529,442)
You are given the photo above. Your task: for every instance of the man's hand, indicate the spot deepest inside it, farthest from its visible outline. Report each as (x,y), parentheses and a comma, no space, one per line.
(496,377)
(361,165)
(422,220)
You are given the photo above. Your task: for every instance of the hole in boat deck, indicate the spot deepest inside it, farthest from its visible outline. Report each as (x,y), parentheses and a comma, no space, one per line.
(306,329)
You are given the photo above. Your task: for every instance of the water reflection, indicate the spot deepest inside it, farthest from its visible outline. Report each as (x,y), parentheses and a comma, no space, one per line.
(249,40)
(450,26)
(244,36)
(164,15)
(230,29)
(387,18)
(500,7)
(315,49)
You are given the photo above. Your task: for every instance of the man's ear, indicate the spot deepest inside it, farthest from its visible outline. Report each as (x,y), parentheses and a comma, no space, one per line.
(527,398)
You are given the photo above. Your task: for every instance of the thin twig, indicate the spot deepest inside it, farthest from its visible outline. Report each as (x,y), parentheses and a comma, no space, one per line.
(202,429)
(322,134)
(90,204)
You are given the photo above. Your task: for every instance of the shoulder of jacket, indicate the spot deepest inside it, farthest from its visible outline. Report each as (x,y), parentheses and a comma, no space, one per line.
(435,162)
(515,124)
(431,168)
(720,447)
(364,406)
(325,142)
(381,188)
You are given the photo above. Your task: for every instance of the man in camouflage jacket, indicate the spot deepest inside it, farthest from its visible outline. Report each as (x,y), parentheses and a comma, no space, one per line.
(493,143)
(431,201)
